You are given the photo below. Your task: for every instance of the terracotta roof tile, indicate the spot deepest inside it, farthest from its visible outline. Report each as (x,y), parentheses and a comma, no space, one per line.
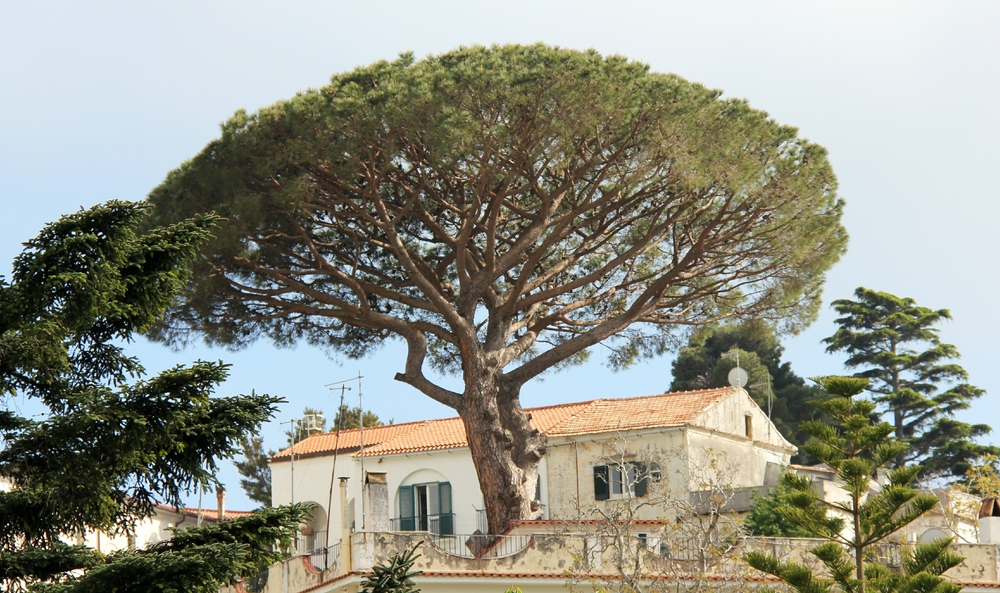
(634,413)
(350,440)
(207,514)
(578,418)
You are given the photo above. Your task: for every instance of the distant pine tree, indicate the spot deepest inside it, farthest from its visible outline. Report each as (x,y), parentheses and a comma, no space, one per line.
(256,472)
(919,387)
(348,418)
(710,354)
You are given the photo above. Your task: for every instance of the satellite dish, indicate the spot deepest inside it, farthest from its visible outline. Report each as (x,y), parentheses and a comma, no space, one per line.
(738,377)
(931,535)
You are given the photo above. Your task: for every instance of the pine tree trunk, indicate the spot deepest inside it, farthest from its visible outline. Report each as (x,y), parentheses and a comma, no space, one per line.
(505,450)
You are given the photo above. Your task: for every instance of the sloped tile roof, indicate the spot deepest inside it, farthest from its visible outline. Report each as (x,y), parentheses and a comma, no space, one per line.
(579,418)
(206,514)
(350,440)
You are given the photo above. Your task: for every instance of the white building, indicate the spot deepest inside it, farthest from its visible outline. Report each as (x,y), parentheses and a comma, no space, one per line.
(431,481)
(383,489)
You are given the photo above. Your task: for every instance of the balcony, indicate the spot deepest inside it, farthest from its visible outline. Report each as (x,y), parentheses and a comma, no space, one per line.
(309,543)
(440,524)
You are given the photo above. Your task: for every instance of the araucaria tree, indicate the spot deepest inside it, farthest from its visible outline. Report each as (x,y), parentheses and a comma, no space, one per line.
(110,445)
(858,450)
(895,343)
(502,210)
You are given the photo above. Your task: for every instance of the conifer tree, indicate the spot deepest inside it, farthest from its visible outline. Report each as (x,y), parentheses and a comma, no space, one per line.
(709,355)
(256,472)
(895,343)
(857,448)
(503,211)
(348,418)
(111,444)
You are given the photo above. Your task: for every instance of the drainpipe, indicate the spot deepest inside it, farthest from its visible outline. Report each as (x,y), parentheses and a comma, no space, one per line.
(344,563)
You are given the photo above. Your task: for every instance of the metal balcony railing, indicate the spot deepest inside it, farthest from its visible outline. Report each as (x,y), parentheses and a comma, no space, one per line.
(308,543)
(442,524)
(481,546)
(325,558)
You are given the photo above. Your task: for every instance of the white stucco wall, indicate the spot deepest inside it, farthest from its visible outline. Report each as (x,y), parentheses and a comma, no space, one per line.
(569,470)
(147,532)
(566,471)
(312,484)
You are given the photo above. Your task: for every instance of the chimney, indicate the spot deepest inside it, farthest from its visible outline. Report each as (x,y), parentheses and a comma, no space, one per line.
(220,497)
(377,492)
(989,521)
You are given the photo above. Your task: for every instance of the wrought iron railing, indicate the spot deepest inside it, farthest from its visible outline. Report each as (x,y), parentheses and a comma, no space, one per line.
(325,558)
(482,523)
(307,543)
(257,583)
(481,546)
(442,524)
(886,553)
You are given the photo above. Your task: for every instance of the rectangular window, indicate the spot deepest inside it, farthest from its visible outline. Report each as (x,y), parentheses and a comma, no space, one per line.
(619,480)
(426,507)
(602,486)
(749,426)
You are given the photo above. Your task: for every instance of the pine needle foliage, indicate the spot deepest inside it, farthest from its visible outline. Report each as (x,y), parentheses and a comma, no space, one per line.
(857,448)
(113,443)
(505,211)
(915,378)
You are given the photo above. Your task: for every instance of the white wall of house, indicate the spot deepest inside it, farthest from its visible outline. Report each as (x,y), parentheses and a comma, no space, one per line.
(566,472)
(312,484)
(571,461)
(147,532)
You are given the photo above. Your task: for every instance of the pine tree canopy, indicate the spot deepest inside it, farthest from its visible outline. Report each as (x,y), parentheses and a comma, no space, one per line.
(348,418)
(502,211)
(710,354)
(113,443)
(919,387)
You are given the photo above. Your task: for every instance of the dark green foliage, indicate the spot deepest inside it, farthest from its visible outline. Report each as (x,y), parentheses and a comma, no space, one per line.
(395,577)
(710,354)
(764,518)
(503,211)
(112,444)
(895,342)
(857,447)
(348,418)
(256,472)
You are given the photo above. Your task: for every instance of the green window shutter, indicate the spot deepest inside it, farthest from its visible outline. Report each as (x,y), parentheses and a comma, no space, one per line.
(602,490)
(444,497)
(538,488)
(641,479)
(446,523)
(406,519)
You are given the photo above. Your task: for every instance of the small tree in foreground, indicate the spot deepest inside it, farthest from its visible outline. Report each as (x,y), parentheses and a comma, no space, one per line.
(691,534)
(394,577)
(857,449)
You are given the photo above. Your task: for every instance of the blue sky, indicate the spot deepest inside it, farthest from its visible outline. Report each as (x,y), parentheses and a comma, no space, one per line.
(100,100)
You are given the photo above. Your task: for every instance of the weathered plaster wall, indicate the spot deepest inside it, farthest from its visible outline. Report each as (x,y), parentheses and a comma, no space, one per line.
(570,467)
